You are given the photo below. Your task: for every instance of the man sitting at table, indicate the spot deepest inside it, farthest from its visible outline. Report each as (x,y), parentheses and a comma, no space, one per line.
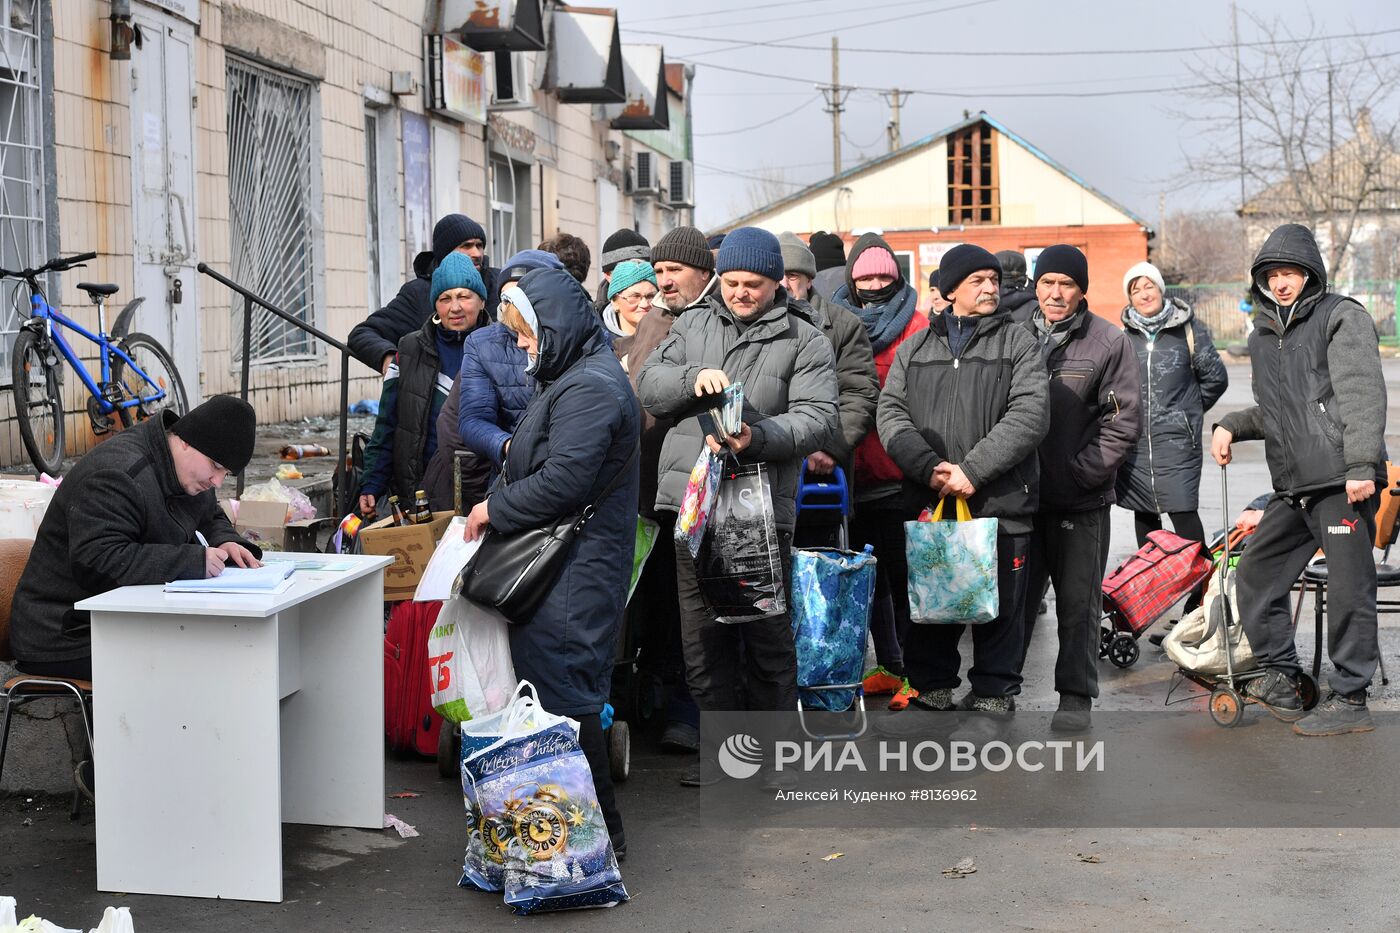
(140,508)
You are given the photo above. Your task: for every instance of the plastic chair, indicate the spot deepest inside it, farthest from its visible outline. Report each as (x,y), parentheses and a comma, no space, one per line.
(26,688)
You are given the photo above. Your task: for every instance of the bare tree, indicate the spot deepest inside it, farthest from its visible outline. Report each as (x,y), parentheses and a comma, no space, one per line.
(762,187)
(1308,126)
(1201,246)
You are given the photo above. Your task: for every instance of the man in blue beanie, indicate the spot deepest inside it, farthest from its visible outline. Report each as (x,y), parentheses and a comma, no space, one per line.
(749,334)
(375,340)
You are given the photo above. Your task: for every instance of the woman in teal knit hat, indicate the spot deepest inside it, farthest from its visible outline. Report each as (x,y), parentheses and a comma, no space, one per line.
(416,386)
(630,291)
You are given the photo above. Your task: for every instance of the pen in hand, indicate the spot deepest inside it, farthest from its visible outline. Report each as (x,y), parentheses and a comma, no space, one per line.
(213,559)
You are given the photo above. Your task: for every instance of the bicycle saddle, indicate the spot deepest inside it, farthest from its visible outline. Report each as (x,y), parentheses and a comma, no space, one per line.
(98,288)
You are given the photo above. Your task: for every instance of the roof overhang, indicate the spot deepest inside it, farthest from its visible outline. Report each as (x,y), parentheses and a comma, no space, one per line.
(489,25)
(644,78)
(585,56)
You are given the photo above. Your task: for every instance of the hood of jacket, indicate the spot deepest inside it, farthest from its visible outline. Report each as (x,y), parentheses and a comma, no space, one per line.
(423,264)
(866,241)
(1294,245)
(1174,313)
(569,328)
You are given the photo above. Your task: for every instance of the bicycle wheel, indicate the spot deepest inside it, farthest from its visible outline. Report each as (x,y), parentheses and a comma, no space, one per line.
(38,401)
(151,358)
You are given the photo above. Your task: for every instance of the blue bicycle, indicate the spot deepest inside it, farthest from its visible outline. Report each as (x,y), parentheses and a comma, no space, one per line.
(138,379)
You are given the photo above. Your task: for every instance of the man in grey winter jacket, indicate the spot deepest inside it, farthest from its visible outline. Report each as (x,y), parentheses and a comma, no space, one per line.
(1320,408)
(131,512)
(754,336)
(1095,419)
(963,408)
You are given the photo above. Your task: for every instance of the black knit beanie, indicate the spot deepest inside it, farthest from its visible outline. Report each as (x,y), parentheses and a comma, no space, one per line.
(1066,260)
(828,249)
(623,245)
(223,429)
(451,232)
(960,262)
(685,245)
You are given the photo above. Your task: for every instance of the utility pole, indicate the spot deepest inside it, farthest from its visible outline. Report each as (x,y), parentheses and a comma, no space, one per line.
(895,97)
(1239,93)
(835,96)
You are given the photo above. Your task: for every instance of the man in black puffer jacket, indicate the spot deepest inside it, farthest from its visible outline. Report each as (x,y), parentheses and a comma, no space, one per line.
(375,340)
(1320,408)
(1095,418)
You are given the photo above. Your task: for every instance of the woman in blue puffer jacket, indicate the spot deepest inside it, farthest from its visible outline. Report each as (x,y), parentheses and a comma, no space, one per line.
(494,388)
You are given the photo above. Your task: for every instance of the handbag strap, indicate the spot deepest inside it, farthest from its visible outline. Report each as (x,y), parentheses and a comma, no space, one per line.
(608,490)
(964,514)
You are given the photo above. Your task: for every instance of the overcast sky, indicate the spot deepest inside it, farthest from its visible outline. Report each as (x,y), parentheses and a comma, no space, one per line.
(1127,146)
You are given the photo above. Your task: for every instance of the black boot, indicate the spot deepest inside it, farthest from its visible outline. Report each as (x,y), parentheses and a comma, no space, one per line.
(1277,693)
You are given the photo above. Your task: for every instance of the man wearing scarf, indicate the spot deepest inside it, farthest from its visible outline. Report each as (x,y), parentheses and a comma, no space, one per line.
(1094,425)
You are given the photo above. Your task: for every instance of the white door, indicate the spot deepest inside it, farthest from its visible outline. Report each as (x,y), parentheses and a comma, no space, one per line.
(447,166)
(163,215)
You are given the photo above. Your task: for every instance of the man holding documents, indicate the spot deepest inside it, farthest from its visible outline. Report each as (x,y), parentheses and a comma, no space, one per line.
(140,508)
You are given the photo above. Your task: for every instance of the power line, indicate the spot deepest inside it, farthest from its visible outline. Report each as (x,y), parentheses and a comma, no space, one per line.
(744,129)
(1121,92)
(731,25)
(710,14)
(716,170)
(831,29)
(1081,53)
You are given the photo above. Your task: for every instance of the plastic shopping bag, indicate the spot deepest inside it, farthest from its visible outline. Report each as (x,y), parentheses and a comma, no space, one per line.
(469,667)
(740,564)
(536,795)
(483,865)
(832,592)
(697,501)
(647,531)
(114,920)
(952,568)
(1197,642)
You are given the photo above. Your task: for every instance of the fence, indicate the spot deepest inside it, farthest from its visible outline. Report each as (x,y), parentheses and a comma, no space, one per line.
(1217,305)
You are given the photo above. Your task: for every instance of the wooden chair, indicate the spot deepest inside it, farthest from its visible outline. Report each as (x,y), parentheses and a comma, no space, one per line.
(1387,574)
(26,688)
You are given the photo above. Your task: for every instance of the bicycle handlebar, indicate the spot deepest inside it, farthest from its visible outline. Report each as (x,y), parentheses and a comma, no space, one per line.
(59,264)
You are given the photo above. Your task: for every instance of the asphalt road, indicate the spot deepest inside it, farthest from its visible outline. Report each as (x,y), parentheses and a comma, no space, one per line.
(689,871)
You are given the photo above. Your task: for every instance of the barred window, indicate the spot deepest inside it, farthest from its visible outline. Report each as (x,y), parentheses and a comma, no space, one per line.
(270,205)
(21,162)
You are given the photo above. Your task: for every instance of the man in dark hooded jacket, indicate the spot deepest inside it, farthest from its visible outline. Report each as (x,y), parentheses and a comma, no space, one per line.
(1320,408)
(1017,295)
(375,340)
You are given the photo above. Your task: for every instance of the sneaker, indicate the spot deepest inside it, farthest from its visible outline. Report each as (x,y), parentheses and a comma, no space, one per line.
(680,738)
(1337,715)
(1157,638)
(903,695)
(702,774)
(1073,714)
(878,682)
(935,701)
(1277,693)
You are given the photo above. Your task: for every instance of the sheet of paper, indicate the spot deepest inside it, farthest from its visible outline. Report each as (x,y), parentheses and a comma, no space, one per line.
(440,577)
(269,578)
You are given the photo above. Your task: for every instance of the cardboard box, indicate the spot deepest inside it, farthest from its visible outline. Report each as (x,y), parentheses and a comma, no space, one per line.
(411,546)
(262,523)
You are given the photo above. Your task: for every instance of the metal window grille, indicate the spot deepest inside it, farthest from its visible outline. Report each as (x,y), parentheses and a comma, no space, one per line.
(21,162)
(269,168)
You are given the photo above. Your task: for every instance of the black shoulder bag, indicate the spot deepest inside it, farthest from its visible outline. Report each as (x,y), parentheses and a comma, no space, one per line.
(514,572)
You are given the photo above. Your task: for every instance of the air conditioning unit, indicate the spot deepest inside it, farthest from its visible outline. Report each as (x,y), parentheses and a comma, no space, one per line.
(646,180)
(681,190)
(511,88)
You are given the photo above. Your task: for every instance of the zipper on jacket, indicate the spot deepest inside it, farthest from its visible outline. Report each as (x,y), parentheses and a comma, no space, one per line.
(1147,417)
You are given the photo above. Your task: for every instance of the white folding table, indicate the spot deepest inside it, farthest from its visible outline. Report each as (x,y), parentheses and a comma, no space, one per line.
(220,717)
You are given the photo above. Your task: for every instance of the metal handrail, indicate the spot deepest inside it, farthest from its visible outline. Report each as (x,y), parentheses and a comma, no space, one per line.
(344,496)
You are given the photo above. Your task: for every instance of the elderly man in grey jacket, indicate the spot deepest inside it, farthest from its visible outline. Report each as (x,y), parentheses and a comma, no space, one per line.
(753,334)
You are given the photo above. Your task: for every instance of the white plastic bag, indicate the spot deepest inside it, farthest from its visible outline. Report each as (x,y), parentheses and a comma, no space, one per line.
(298,505)
(469,665)
(1189,647)
(114,920)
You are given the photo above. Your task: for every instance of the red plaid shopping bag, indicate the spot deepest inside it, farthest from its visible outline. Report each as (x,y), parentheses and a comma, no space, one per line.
(1150,582)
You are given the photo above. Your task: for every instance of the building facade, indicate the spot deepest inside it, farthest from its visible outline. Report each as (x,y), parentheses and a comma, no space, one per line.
(974,182)
(304,148)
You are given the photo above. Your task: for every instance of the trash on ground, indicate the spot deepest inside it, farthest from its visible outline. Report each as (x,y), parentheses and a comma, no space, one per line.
(1091,859)
(964,867)
(287,471)
(365,406)
(404,830)
(404,795)
(302,451)
(832,857)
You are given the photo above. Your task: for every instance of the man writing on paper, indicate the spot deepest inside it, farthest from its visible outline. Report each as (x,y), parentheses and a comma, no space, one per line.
(131,511)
